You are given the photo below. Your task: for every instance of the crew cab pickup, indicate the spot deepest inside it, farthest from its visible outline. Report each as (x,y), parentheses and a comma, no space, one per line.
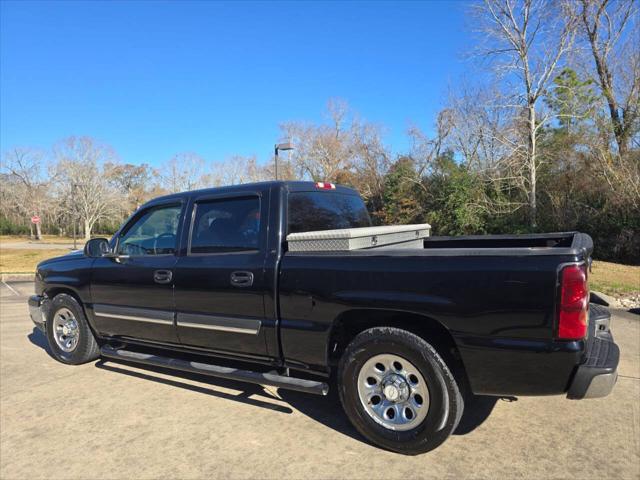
(205,282)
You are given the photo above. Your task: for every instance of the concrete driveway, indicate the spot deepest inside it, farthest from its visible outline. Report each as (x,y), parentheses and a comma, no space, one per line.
(114,421)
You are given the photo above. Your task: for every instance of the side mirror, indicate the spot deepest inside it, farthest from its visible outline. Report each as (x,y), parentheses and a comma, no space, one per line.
(97,247)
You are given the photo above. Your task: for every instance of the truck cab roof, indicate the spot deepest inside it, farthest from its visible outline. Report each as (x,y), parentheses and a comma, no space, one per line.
(291,186)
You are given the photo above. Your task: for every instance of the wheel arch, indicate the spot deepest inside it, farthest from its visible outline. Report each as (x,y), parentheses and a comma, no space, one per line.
(52,291)
(352,322)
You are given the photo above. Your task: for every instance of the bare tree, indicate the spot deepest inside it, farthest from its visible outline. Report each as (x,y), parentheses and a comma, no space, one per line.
(25,187)
(83,187)
(345,149)
(322,151)
(425,149)
(611,30)
(528,39)
(237,170)
(133,182)
(483,137)
(185,171)
(479,132)
(622,177)
(371,161)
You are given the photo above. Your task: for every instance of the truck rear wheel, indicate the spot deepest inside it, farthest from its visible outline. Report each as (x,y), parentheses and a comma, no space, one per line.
(397,391)
(70,338)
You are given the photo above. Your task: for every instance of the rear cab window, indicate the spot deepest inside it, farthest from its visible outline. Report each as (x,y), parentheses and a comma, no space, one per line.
(322,210)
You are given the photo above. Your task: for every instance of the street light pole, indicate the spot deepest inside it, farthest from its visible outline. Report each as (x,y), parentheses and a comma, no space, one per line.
(277,148)
(276,160)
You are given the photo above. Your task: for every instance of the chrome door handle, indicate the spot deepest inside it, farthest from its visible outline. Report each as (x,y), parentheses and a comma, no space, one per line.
(242,279)
(162,276)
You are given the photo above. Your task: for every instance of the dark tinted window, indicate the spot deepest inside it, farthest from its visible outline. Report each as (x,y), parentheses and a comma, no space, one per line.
(309,211)
(153,233)
(226,225)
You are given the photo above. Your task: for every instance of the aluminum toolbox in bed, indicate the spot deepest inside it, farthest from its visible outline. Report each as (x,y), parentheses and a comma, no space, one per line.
(394,236)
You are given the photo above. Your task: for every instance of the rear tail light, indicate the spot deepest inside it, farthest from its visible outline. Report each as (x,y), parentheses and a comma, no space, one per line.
(325,186)
(574,303)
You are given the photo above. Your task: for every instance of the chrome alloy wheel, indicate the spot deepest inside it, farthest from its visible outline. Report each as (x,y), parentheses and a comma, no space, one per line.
(393,392)
(66,331)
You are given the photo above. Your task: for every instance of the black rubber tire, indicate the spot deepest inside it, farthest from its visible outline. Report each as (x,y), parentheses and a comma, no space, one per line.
(87,348)
(446,402)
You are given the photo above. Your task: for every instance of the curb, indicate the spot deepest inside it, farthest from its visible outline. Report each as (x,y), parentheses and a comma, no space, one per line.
(624,303)
(17,277)
(606,298)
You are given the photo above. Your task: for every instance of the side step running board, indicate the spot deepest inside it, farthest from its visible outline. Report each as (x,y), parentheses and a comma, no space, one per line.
(273,379)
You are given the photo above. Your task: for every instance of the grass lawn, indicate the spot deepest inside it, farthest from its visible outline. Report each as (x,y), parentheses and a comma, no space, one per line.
(614,279)
(24,260)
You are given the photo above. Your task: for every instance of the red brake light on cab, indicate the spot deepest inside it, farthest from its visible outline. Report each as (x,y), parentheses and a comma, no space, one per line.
(574,303)
(325,186)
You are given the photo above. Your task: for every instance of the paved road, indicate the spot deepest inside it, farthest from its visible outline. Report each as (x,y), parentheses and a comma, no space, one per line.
(114,421)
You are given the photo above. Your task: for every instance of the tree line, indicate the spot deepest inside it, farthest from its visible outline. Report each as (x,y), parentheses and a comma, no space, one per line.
(545,137)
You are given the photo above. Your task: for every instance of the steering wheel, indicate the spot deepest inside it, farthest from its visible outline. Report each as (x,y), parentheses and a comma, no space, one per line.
(162,235)
(133,249)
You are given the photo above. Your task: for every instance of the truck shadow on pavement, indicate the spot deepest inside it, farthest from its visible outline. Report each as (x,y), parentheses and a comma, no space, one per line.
(39,340)
(328,411)
(245,396)
(325,410)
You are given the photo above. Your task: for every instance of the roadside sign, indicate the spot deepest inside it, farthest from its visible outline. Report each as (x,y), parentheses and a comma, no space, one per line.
(35,219)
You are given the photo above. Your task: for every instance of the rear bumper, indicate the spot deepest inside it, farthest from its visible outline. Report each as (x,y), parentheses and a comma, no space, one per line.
(38,310)
(596,376)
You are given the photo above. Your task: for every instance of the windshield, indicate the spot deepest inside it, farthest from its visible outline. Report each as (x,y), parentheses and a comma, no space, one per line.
(312,211)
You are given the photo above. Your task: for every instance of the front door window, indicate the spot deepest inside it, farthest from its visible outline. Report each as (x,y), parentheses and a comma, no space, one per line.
(154,233)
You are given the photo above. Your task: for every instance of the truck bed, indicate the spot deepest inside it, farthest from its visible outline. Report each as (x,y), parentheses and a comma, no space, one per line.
(496,295)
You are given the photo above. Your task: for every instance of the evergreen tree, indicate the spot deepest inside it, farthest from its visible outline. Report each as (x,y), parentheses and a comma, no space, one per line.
(572,100)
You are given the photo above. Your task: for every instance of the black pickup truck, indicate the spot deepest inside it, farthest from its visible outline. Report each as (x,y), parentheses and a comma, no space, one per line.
(205,282)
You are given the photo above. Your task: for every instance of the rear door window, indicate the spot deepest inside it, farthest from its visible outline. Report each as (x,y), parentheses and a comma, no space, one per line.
(226,225)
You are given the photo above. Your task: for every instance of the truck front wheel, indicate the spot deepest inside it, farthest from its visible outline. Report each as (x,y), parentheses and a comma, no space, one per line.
(397,391)
(70,338)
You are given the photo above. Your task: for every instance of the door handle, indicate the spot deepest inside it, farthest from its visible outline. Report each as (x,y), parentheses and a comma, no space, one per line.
(162,276)
(242,279)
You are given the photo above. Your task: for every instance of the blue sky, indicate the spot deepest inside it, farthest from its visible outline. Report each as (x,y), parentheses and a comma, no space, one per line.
(153,79)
